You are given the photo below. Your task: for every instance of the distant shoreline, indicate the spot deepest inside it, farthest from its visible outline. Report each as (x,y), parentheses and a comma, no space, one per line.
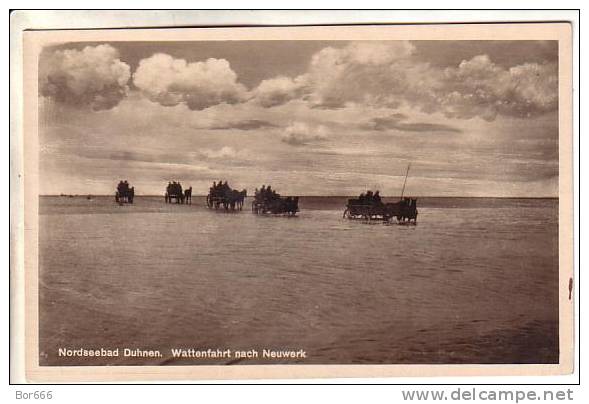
(321,196)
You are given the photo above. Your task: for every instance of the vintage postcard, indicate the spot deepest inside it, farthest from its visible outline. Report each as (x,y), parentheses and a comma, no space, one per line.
(351,201)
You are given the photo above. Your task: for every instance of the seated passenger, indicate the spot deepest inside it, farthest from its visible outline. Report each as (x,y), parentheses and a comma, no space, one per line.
(263,192)
(377,200)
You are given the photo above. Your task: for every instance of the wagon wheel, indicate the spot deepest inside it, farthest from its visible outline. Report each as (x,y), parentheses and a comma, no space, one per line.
(369,215)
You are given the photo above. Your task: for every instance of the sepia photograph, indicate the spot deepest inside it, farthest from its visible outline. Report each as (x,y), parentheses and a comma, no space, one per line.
(300,196)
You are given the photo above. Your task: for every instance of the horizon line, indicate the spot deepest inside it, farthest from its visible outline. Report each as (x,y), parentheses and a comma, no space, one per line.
(331,196)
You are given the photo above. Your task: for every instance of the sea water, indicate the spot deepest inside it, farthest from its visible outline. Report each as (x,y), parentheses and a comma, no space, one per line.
(475,281)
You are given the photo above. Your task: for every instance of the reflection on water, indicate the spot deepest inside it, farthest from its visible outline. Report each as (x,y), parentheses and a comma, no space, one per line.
(474,282)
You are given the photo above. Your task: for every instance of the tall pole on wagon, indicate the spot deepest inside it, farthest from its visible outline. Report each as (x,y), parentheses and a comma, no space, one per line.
(405,182)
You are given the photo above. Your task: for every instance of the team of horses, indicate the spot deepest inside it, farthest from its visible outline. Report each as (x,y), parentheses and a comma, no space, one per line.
(404,210)
(266,201)
(227,198)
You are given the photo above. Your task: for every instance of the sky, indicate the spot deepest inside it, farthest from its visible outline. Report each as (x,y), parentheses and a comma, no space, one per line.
(473,118)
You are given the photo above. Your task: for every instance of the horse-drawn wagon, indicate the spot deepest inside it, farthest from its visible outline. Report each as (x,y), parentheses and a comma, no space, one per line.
(222,195)
(369,206)
(404,210)
(124,193)
(174,193)
(268,201)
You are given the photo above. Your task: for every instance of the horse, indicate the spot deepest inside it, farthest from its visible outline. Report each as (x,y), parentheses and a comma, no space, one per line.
(408,210)
(234,198)
(288,206)
(404,210)
(188,195)
(240,198)
(292,205)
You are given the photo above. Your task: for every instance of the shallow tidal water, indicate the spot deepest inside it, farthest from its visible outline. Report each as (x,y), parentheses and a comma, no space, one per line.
(475,281)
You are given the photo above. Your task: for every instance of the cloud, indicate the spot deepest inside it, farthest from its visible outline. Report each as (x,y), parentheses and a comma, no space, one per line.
(326,84)
(144,156)
(396,121)
(199,85)
(162,158)
(360,73)
(224,152)
(372,74)
(388,75)
(93,76)
(248,124)
(300,133)
(278,91)
(479,87)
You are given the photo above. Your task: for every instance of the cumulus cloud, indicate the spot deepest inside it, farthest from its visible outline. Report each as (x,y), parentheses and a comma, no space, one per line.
(93,76)
(335,76)
(360,73)
(397,122)
(479,87)
(300,133)
(377,74)
(475,88)
(279,90)
(387,75)
(199,85)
